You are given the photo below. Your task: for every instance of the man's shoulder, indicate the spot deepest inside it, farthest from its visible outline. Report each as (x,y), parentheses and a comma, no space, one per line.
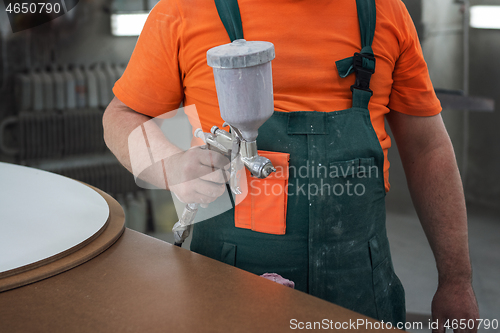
(395,13)
(395,8)
(184,8)
(186,4)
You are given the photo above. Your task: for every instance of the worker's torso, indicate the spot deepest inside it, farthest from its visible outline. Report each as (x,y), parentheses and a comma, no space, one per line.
(335,244)
(308,38)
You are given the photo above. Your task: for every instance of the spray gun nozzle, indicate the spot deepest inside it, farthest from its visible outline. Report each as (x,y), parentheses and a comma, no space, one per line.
(268,170)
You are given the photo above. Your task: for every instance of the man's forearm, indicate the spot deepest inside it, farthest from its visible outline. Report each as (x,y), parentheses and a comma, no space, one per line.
(436,189)
(119,121)
(437,194)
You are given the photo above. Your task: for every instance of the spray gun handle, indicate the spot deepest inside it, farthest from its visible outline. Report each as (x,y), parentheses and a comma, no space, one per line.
(182,228)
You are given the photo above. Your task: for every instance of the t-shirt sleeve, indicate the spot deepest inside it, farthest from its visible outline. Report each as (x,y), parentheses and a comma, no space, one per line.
(151,83)
(412,91)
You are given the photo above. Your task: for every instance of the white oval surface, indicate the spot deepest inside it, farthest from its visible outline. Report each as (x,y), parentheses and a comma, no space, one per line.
(43,214)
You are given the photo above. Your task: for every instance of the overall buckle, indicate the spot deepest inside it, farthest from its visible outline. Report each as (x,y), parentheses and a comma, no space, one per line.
(363,75)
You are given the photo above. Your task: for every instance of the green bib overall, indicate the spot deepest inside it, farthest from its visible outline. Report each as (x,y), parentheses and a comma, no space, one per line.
(335,246)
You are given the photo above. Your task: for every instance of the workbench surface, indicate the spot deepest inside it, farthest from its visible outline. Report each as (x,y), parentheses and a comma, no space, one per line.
(142,284)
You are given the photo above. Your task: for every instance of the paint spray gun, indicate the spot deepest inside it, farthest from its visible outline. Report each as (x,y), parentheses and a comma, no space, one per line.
(243,79)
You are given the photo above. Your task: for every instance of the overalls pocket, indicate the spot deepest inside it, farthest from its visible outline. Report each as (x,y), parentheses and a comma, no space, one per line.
(356,168)
(264,207)
(351,182)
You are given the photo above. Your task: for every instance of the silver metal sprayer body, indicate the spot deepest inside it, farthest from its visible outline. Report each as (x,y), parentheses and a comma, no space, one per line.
(243,80)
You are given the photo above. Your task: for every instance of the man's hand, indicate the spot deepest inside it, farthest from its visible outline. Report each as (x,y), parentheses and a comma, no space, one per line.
(437,193)
(457,301)
(197,175)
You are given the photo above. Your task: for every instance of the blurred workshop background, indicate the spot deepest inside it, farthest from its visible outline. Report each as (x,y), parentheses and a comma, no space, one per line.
(56,80)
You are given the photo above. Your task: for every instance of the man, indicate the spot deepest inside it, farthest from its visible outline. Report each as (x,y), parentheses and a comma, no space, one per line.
(335,246)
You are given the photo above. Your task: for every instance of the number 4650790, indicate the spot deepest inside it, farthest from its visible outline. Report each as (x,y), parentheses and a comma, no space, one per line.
(33,8)
(471,324)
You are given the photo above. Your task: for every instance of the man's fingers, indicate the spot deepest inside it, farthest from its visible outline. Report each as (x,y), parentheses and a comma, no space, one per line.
(196,197)
(209,189)
(218,176)
(195,176)
(195,172)
(205,195)
(213,159)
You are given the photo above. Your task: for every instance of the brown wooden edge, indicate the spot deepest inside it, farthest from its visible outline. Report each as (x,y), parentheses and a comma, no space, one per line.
(55,257)
(107,236)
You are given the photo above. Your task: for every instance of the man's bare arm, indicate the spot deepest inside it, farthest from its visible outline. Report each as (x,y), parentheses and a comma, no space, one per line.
(119,121)
(437,193)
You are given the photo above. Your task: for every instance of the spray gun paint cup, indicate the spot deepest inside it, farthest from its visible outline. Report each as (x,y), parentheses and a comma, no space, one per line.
(243,78)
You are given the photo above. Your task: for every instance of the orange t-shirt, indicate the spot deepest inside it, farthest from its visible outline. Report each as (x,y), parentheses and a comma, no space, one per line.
(169,64)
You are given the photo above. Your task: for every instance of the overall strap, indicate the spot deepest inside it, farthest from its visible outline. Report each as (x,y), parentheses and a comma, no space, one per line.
(229,13)
(363,62)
